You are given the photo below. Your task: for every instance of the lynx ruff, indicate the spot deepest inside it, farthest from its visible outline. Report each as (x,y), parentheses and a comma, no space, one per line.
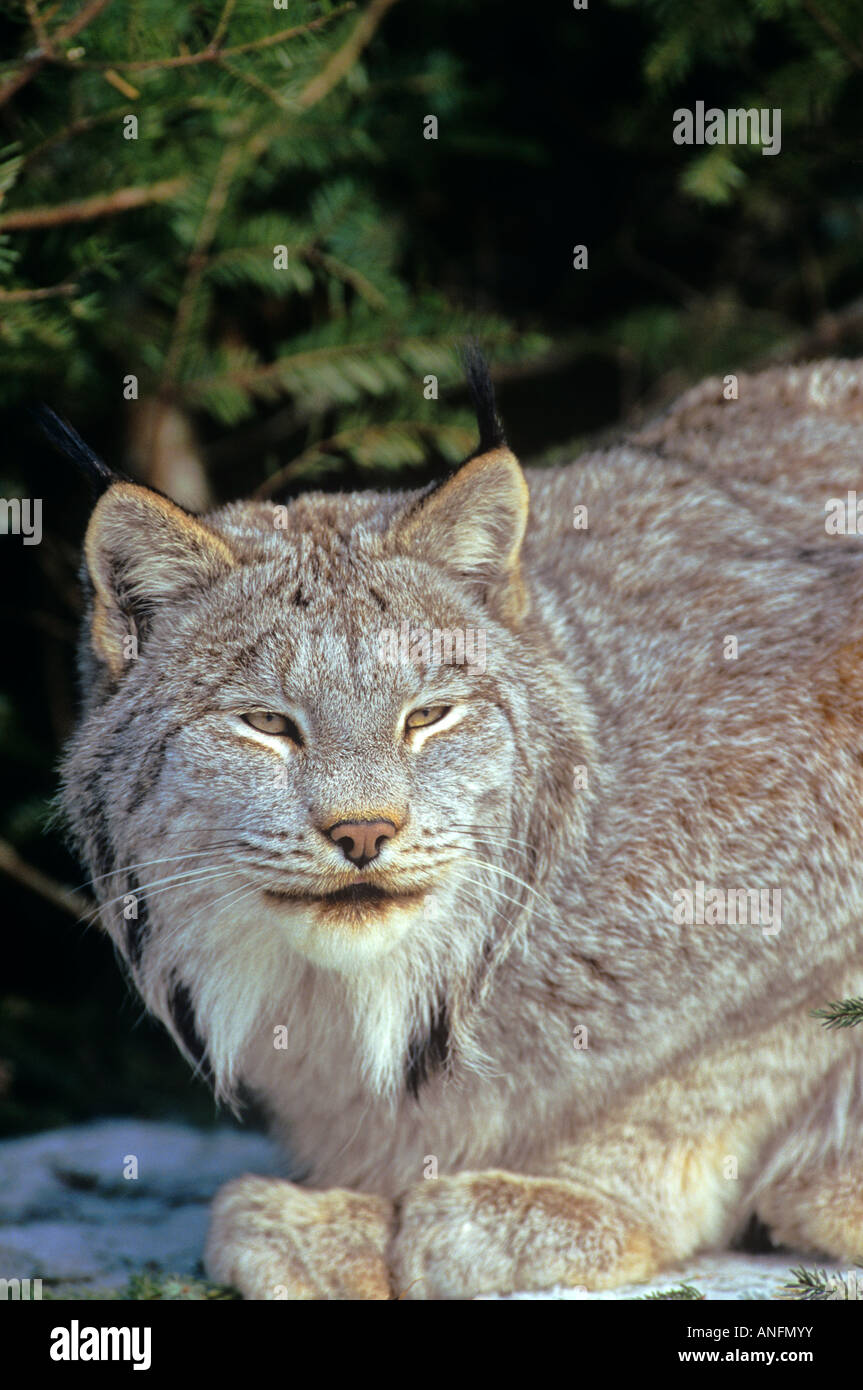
(391,944)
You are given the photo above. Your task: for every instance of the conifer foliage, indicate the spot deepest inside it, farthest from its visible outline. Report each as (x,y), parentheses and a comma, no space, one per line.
(185,215)
(843,1013)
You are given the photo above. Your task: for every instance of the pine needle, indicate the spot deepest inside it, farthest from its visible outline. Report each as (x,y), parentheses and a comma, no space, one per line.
(818,1285)
(844,1013)
(679,1292)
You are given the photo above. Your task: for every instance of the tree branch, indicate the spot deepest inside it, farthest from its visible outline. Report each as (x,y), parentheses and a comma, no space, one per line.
(355,278)
(341,62)
(231,158)
(224,21)
(344,439)
(29,296)
(251,80)
(100,205)
(66,899)
(73,26)
(48,52)
(212,54)
(37,24)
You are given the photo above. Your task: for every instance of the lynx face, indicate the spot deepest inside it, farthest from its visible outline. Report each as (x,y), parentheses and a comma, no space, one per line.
(330,771)
(302,750)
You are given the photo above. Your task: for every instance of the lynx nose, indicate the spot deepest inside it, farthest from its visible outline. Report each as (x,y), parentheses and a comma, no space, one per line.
(361,840)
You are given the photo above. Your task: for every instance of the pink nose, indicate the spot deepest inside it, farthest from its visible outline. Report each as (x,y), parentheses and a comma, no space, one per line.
(361,840)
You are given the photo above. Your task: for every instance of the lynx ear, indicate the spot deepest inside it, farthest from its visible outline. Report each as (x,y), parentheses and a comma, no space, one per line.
(143,550)
(474,525)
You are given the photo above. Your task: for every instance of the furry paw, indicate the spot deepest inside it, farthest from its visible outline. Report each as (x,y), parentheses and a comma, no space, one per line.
(499,1233)
(272,1240)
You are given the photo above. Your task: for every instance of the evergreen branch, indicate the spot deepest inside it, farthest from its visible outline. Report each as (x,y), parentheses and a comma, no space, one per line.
(346,440)
(196,265)
(29,296)
(67,899)
(344,59)
(253,81)
(211,54)
(77,127)
(121,84)
(48,53)
(224,21)
(37,23)
(73,26)
(809,1285)
(681,1292)
(843,1013)
(100,205)
(260,375)
(348,274)
(230,162)
(108,117)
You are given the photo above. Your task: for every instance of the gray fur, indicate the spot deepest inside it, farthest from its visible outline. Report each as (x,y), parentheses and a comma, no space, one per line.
(546,904)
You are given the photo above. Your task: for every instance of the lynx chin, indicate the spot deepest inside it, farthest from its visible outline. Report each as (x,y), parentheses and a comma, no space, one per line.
(427,873)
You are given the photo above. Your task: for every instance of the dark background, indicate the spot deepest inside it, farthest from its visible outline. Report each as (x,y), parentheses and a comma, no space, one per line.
(555,129)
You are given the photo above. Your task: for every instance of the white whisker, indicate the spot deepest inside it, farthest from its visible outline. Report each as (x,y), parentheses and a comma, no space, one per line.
(189,883)
(148,863)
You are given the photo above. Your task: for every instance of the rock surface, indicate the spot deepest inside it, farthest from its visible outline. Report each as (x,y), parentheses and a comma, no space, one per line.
(68,1213)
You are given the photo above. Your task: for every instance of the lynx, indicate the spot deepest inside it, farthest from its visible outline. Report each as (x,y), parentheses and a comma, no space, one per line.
(424,910)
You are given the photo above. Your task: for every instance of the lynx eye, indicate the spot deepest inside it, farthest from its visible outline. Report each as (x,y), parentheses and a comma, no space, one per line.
(428,714)
(268,723)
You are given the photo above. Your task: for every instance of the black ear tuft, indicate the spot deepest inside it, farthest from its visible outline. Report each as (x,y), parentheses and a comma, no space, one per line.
(67,441)
(491,435)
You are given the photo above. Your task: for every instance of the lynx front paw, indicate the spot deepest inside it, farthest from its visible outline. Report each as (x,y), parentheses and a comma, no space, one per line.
(499,1233)
(271,1239)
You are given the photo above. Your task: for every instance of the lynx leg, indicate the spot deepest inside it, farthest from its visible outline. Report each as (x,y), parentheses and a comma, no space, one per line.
(271,1239)
(819,1210)
(496,1232)
(810,1192)
(639,1194)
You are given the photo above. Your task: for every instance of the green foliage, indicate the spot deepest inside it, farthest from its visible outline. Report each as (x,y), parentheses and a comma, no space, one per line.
(173,1288)
(802,59)
(679,1293)
(714,176)
(810,1285)
(261,147)
(844,1013)
(812,78)
(148,1286)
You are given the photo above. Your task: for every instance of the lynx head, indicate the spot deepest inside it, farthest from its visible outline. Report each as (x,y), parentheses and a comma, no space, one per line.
(302,758)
